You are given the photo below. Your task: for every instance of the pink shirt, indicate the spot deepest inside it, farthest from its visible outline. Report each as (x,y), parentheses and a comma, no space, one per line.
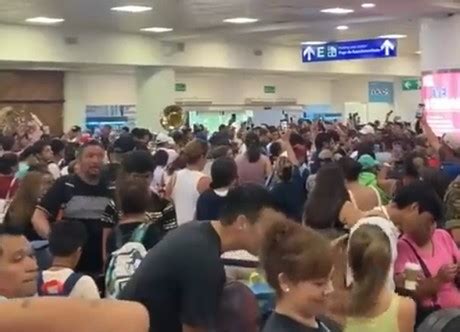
(444,251)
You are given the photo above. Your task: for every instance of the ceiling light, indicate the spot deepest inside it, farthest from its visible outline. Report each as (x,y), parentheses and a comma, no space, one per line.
(418,52)
(157,29)
(241,20)
(393,36)
(45,20)
(312,43)
(337,11)
(131,9)
(342,27)
(368,5)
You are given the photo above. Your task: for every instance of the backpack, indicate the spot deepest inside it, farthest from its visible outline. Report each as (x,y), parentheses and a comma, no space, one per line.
(5,202)
(125,261)
(452,205)
(55,287)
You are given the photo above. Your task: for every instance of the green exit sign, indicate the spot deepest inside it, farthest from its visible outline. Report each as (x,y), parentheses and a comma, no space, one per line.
(270,89)
(181,87)
(411,84)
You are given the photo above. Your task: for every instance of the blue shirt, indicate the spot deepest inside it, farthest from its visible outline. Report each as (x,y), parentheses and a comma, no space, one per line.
(452,170)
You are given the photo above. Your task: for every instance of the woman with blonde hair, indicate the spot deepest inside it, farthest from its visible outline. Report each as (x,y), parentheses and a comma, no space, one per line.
(373,304)
(31,189)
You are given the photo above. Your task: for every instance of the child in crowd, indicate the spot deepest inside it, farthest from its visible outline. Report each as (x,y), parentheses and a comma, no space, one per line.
(66,241)
(133,198)
(298,265)
(373,305)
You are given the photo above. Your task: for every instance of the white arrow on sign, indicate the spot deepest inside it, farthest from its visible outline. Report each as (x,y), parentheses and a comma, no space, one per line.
(387,46)
(407,85)
(309,52)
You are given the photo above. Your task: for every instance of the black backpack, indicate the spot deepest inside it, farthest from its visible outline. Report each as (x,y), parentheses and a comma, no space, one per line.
(55,288)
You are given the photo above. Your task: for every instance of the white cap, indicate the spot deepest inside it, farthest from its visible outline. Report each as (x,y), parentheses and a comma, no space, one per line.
(162,138)
(452,140)
(367,130)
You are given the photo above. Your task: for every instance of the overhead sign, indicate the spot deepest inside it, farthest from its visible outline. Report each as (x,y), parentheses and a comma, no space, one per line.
(181,87)
(411,84)
(351,50)
(381,92)
(270,89)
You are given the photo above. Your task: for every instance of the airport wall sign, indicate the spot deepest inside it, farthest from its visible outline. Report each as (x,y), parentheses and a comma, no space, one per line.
(269,89)
(411,84)
(350,50)
(181,87)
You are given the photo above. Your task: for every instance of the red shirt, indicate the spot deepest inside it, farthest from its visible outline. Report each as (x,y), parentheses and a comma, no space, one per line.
(6,186)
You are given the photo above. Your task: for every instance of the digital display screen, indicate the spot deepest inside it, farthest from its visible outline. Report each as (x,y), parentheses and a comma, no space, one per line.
(441,96)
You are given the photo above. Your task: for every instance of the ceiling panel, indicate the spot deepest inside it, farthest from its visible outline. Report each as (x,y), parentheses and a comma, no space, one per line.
(285,22)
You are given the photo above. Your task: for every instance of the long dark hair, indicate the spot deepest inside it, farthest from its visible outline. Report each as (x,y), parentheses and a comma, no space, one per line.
(253,147)
(324,203)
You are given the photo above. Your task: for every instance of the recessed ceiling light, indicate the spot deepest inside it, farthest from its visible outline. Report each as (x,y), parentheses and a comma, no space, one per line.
(312,43)
(157,29)
(342,27)
(393,36)
(337,11)
(241,20)
(131,9)
(368,5)
(45,20)
(418,52)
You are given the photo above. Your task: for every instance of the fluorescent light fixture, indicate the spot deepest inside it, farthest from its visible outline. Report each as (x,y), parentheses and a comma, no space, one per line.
(313,43)
(342,27)
(157,29)
(368,5)
(131,9)
(45,20)
(337,11)
(393,36)
(241,20)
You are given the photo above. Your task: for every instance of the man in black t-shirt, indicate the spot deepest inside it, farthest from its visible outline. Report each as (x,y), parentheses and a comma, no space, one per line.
(84,197)
(181,279)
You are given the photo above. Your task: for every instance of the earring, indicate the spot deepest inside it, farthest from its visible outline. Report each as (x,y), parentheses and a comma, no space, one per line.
(287,290)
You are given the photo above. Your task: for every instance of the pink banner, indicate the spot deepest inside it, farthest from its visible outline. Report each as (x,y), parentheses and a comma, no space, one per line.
(441,96)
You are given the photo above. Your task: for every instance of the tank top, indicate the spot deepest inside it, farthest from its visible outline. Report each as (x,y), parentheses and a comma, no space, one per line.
(385,322)
(251,172)
(185,194)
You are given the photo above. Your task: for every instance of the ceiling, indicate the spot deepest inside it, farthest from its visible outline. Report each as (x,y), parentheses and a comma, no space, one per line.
(285,22)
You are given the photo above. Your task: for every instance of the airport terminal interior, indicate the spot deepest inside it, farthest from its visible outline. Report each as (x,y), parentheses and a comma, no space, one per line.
(230,166)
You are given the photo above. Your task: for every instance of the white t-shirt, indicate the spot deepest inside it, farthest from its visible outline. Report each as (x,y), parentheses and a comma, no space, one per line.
(85,288)
(172,154)
(53,168)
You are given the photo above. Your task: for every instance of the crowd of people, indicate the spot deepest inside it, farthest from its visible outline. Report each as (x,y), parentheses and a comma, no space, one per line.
(355,227)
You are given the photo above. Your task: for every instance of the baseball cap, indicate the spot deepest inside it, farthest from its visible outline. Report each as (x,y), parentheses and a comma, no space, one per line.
(367,162)
(162,138)
(325,155)
(367,130)
(75,129)
(123,144)
(452,140)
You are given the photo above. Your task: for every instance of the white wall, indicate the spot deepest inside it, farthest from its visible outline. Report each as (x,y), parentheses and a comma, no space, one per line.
(233,88)
(354,89)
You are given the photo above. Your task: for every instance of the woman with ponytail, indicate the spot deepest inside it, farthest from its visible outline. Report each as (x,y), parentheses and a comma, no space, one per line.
(298,265)
(224,175)
(185,185)
(373,304)
(253,166)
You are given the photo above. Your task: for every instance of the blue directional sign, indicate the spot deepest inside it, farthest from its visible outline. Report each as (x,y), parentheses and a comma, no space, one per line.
(351,50)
